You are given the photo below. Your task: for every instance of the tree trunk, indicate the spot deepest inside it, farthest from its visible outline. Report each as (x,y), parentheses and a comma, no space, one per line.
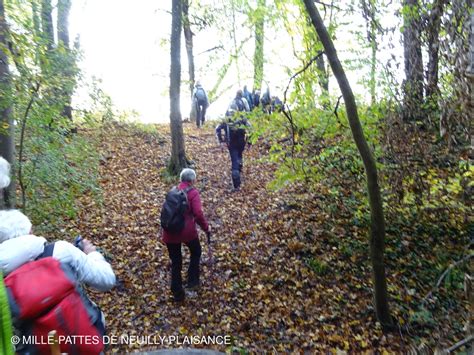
(369,11)
(47,24)
(178,159)
(323,81)
(64,7)
(188,36)
(377,235)
(258,57)
(413,85)
(434,25)
(470,69)
(7,145)
(234,37)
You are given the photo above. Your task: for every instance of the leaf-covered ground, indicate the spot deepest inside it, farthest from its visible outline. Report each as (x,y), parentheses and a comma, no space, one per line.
(281,281)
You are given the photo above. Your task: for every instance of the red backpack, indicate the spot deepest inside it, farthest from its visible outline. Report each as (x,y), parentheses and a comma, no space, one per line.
(44,295)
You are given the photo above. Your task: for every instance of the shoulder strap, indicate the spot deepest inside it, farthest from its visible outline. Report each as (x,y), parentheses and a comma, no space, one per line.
(47,252)
(187,189)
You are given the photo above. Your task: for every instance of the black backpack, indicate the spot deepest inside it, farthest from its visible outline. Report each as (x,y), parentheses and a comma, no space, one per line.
(172,212)
(200,95)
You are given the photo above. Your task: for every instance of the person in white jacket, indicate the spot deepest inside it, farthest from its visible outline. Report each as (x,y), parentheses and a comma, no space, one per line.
(4,173)
(18,246)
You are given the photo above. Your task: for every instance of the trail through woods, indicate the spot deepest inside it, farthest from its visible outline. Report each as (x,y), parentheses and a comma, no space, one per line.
(279,281)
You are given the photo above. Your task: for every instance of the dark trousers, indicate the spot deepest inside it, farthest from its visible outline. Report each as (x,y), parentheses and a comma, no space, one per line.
(236,163)
(176,257)
(200,113)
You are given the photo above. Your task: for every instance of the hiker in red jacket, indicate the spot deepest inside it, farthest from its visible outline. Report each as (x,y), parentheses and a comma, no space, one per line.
(188,236)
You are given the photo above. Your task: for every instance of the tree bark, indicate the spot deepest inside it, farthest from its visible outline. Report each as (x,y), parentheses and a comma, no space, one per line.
(178,159)
(413,85)
(47,24)
(470,69)
(7,145)
(369,11)
(64,7)
(434,25)
(258,58)
(377,235)
(188,36)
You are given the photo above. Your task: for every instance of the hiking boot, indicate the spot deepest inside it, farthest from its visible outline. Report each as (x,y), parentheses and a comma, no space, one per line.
(192,286)
(178,296)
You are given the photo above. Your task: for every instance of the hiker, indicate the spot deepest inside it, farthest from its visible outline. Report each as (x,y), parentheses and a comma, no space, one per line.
(266,101)
(248,96)
(189,236)
(256,98)
(277,104)
(235,139)
(202,103)
(240,102)
(19,247)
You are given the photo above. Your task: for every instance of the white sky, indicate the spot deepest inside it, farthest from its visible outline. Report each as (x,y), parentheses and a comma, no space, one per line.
(122,41)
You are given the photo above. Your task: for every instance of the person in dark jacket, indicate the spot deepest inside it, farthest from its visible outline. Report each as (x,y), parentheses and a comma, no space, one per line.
(202,103)
(232,134)
(266,102)
(188,236)
(256,98)
(248,97)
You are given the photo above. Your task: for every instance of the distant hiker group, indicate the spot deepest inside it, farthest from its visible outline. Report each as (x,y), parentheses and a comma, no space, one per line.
(244,101)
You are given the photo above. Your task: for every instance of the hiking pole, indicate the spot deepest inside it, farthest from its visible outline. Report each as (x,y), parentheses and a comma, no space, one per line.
(210,262)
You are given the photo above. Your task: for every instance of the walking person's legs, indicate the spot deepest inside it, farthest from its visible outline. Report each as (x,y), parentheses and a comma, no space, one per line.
(198,114)
(235,167)
(240,158)
(193,270)
(203,114)
(174,251)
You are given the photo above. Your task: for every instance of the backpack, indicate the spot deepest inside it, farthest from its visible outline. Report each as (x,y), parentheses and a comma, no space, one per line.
(200,95)
(44,295)
(240,104)
(172,212)
(236,133)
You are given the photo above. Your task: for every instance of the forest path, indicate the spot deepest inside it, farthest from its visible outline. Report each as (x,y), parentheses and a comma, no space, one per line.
(263,290)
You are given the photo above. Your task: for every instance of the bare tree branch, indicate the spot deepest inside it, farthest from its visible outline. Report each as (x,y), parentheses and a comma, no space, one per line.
(444,274)
(299,72)
(460,343)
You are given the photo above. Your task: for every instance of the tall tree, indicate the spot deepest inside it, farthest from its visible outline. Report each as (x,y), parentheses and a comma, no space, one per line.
(47,23)
(188,37)
(178,159)
(413,85)
(377,235)
(7,146)
(64,7)
(258,57)
(432,34)
(369,11)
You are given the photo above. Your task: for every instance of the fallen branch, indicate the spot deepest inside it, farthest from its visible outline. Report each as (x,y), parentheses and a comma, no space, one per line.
(444,274)
(460,343)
